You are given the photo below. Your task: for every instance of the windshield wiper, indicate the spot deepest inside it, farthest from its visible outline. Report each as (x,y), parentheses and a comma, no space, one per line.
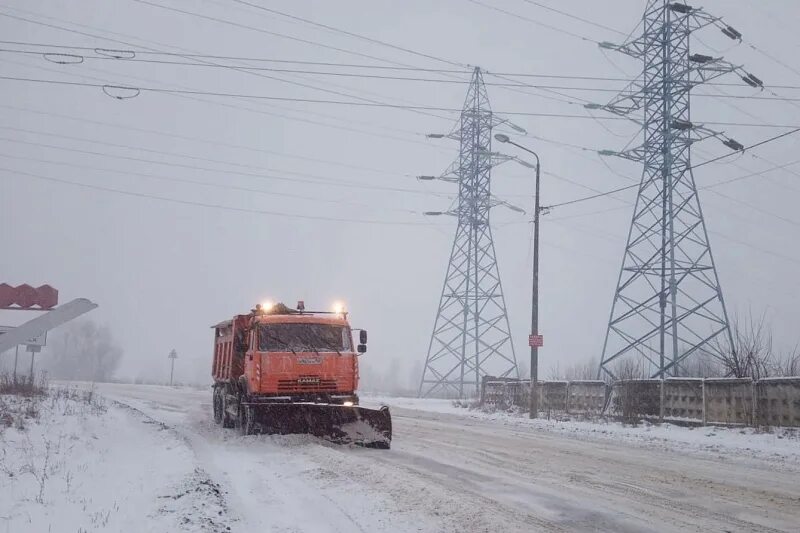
(281,341)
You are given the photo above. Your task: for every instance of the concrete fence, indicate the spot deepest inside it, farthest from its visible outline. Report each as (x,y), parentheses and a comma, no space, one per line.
(728,401)
(574,397)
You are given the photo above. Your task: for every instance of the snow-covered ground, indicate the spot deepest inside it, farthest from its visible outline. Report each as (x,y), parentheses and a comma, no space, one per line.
(778,445)
(71,462)
(449,469)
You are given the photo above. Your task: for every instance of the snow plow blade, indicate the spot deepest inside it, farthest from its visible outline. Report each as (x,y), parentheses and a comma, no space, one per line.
(341,424)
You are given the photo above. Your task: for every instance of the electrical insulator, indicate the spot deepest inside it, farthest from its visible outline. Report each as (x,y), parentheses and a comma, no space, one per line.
(681,8)
(729,31)
(733,145)
(756,80)
(682,125)
(700,58)
(748,81)
(752,81)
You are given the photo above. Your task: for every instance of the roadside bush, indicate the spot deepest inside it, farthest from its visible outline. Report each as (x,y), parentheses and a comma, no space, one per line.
(22,385)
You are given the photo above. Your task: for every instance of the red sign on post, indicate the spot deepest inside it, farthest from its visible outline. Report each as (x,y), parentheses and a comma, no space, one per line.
(535,341)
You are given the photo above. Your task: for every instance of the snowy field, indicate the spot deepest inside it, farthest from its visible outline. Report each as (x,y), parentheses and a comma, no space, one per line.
(148,458)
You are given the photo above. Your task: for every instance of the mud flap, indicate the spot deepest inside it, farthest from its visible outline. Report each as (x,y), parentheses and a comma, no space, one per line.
(337,423)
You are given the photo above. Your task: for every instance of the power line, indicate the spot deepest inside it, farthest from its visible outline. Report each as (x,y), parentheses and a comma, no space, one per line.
(227,186)
(130,56)
(592,197)
(205,141)
(318,178)
(267,32)
(534,21)
(136,52)
(389,45)
(206,169)
(360,75)
(752,174)
(575,17)
(348,33)
(337,125)
(698,165)
(231,67)
(208,205)
(135,90)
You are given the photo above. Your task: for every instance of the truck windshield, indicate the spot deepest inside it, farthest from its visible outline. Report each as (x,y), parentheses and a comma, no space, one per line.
(303,338)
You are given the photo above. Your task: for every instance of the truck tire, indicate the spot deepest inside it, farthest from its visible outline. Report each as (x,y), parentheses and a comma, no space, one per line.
(217,406)
(227,420)
(246,420)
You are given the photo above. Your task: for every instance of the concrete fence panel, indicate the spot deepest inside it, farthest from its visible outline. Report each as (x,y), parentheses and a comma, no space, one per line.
(636,398)
(504,392)
(778,401)
(683,399)
(586,397)
(553,396)
(728,400)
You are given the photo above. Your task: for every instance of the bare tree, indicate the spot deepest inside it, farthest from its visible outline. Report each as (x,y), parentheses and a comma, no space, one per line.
(700,365)
(751,353)
(555,373)
(575,372)
(789,364)
(83,351)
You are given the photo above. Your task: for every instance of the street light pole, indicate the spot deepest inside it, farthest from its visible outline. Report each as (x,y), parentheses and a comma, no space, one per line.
(534,397)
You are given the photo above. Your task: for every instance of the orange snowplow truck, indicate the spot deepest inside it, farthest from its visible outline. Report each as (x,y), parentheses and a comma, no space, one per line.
(282,370)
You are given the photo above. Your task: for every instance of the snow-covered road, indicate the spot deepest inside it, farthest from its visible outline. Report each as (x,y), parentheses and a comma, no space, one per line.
(447,472)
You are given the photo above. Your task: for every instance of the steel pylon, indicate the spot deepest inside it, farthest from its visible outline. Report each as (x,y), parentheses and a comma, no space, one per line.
(471,335)
(668,304)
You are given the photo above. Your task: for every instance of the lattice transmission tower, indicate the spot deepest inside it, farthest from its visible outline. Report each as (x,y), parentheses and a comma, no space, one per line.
(668,304)
(471,335)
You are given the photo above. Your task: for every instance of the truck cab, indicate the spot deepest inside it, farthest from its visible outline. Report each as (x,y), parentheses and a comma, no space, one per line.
(303,356)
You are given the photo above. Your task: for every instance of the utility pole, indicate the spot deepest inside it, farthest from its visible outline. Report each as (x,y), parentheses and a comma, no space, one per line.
(16,357)
(471,335)
(172,356)
(33,350)
(535,341)
(668,304)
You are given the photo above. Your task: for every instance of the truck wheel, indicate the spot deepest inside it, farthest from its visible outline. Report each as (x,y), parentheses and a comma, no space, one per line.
(246,423)
(227,420)
(217,403)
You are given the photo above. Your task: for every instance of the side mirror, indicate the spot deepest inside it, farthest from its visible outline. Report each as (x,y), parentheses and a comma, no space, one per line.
(362,336)
(362,348)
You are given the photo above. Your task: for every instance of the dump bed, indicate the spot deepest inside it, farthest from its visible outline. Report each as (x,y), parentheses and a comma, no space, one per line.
(230,346)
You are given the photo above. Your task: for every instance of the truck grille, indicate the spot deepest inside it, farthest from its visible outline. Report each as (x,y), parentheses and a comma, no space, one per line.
(307,384)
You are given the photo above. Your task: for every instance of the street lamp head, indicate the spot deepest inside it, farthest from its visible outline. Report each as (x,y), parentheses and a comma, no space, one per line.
(524,163)
(501,137)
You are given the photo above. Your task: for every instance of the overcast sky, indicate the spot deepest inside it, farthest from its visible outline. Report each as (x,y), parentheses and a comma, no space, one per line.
(328,207)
